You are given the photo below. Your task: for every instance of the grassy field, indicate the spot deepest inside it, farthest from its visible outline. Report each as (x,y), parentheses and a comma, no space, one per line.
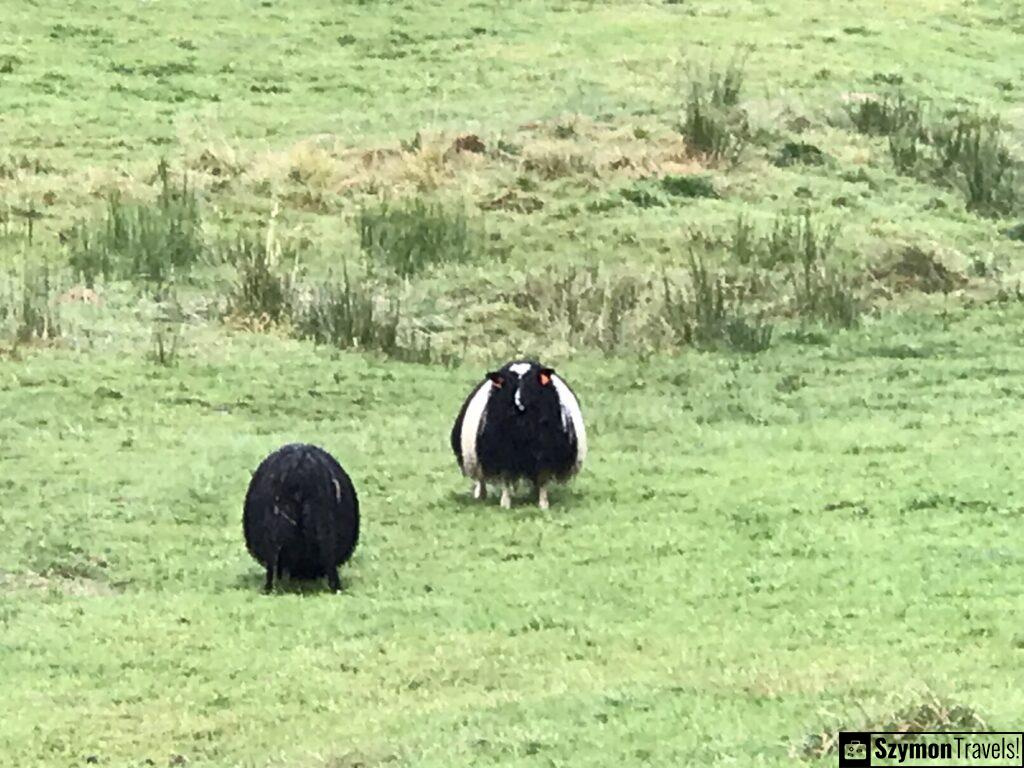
(775,248)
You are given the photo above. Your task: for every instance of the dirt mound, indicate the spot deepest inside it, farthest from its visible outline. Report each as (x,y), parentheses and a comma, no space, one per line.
(513,201)
(915,269)
(469,143)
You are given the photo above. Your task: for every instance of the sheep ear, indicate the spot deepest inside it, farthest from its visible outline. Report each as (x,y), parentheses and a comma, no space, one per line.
(496,378)
(545,376)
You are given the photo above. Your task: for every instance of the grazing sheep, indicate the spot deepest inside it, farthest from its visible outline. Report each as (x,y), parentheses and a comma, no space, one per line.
(301,515)
(520,423)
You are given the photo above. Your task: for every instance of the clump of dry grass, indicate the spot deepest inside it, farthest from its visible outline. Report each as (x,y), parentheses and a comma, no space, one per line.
(930,713)
(319,168)
(553,160)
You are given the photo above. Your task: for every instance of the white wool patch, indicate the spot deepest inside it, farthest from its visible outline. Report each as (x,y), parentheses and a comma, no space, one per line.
(472,423)
(519,369)
(571,413)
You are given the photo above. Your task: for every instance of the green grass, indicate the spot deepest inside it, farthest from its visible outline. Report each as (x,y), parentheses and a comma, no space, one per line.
(801,520)
(820,530)
(153,243)
(408,237)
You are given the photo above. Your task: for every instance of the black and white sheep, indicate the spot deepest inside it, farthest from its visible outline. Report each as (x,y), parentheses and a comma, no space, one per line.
(301,515)
(522,422)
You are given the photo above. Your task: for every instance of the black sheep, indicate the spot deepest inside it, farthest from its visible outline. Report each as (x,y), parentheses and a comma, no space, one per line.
(520,423)
(301,515)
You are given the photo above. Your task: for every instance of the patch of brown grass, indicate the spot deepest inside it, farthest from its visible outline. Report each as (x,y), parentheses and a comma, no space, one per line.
(79,294)
(71,586)
(930,713)
(322,166)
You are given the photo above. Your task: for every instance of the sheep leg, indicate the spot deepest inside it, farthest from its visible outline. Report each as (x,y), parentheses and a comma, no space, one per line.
(268,585)
(542,496)
(330,566)
(506,496)
(480,490)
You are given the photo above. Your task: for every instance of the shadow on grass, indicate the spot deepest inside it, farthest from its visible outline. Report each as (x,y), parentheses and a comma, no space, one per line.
(253,582)
(562,499)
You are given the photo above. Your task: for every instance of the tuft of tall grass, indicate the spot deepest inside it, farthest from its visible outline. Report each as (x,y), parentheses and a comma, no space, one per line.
(411,235)
(886,115)
(820,292)
(261,290)
(974,154)
(583,306)
(799,153)
(29,310)
(907,149)
(823,294)
(360,313)
(350,315)
(796,239)
(966,151)
(353,313)
(623,313)
(711,314)
(802,248)
(745,245)
(714,125)
(139,241)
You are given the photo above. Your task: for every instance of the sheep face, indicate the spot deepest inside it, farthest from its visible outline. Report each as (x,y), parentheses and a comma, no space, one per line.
(519,389)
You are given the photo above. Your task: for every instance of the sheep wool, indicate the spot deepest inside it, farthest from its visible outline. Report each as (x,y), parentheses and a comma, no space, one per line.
(301,515)
(522,422)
